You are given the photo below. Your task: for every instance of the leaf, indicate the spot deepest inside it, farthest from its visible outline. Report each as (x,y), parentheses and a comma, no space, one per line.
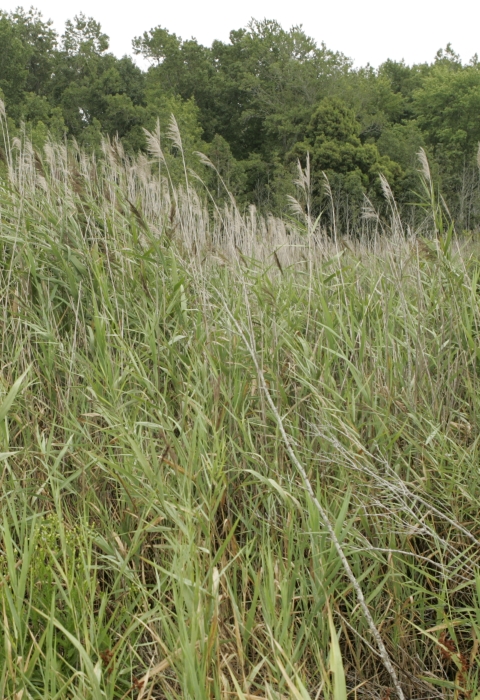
(273,484)
(10,398)
(336,663)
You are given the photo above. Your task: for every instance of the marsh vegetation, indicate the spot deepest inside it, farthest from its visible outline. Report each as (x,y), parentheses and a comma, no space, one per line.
(239,457)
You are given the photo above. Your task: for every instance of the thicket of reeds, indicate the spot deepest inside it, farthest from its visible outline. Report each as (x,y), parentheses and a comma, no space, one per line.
(239,458)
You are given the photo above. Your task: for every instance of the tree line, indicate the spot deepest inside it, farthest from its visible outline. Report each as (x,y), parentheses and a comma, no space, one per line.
(255,106)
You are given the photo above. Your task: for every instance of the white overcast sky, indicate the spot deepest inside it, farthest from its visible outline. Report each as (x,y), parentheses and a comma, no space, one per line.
(368,31)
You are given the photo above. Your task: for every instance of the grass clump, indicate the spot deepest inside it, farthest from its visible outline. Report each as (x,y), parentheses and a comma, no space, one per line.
(157,363)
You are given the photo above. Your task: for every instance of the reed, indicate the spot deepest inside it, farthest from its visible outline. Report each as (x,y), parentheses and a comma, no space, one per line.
(166,368)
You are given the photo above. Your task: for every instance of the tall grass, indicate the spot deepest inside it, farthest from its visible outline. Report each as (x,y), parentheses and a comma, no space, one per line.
(158,359)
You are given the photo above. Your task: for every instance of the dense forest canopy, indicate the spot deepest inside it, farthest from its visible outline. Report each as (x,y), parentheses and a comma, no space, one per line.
(255,106)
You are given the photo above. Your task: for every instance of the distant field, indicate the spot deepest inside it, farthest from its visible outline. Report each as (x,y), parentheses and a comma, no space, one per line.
(238,458)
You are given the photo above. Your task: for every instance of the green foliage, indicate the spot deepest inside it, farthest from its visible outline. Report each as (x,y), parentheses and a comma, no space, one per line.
(229,175)
(372,96)
(13,62)
(280,77)
(180,68)
(447,106)
(333,141)
(84,37)
(401,143)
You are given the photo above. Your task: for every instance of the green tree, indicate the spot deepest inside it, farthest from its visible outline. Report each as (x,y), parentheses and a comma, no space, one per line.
(14,62)
(83,36)
(27,60)
(95,90)
(180,68)
(271,80)
(352,168)
(447,107)
(372,97)
(41,41)
(404,80)
(229,174)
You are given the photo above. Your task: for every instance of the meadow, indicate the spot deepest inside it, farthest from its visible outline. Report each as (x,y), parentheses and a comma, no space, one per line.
(239,456)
